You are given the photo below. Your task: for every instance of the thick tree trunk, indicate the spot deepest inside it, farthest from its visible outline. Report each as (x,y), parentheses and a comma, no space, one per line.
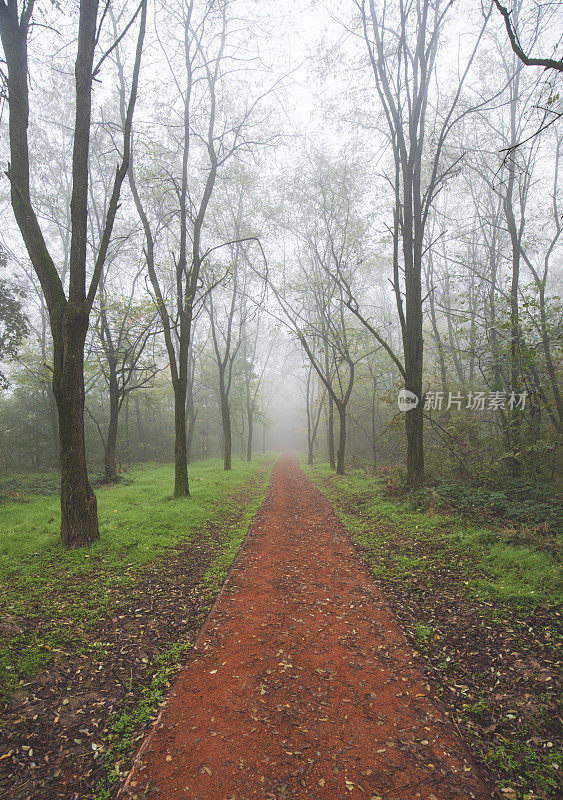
(79,517)
(415,450)
(54,420)
(413,343)
(414,419)
(181,485)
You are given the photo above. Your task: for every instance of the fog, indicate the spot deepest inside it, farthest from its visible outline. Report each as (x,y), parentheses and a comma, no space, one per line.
(309,215)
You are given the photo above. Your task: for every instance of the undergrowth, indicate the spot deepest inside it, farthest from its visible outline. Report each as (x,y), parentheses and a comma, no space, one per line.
(123,726)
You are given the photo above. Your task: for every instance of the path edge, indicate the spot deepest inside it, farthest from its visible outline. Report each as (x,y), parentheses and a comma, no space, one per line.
(127,791)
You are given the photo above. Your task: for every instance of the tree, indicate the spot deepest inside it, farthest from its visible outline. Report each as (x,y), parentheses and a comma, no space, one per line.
(540,274)
(314,401)
(226,336)
(69,313)
(13,321)
(124,328)
(210,135)
(512,30)
(512,184)
(253,379)
(402,46)
(317,315)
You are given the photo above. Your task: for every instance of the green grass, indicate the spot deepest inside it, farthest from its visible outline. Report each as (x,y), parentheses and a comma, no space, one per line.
(139,522)
(124,725)
(495,568)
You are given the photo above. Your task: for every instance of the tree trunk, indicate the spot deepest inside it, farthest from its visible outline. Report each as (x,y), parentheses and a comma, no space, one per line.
(227,439)
(553,378)
(110,471)
(515,231)
(414,419)
(181,485)
(312,426)
(373,426)
(191,413)
(79,517)
(140,429)
(127,436)
(54,419)
(191,418)
(190,439)
(434,321)
(330,432)
(309,424)
(249,440)
(341,453)
(413,343)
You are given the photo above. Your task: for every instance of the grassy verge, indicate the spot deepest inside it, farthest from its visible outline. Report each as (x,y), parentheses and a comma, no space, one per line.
(92,637)
(138,523)
(484,615)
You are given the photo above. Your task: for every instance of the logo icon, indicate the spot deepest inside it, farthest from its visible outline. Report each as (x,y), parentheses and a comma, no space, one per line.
(407,400)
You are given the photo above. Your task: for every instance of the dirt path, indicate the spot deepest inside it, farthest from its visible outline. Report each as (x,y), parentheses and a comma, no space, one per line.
(302,685)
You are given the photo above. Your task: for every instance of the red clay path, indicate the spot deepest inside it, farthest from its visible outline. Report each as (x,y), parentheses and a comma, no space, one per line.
(302,685)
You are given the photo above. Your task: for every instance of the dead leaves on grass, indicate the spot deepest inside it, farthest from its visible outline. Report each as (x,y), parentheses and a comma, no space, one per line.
(496,665)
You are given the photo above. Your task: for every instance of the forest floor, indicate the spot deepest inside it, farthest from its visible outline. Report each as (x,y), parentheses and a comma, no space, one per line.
(90,639)
(362,649)
(302,684)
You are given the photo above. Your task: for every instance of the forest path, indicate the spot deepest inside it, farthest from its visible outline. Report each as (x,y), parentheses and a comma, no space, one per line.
(302,685)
